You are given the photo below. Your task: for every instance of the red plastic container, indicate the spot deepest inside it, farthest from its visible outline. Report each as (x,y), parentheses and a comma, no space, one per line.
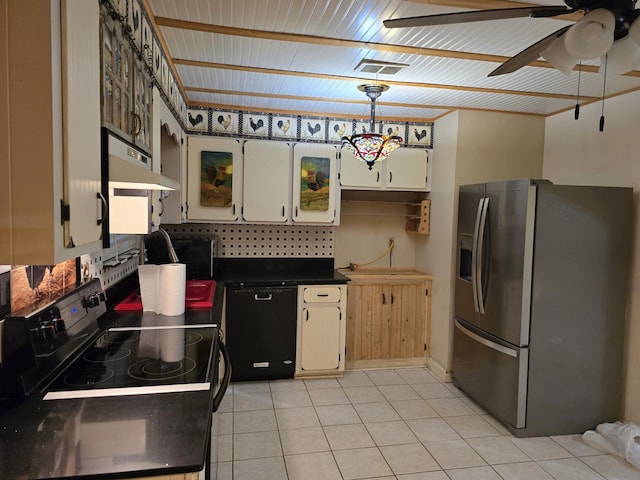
(199,294)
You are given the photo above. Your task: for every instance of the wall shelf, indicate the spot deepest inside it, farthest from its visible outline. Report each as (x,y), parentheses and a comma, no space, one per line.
(418,217)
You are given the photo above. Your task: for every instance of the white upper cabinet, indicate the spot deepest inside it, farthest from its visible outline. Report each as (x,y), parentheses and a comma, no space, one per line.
(407,169)
(315,183)
(403,169)
(214,175)
(51,132)
(356,173)
(266,181)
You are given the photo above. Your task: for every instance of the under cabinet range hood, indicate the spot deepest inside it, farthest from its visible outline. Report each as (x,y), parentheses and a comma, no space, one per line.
(127,181)
(130,168)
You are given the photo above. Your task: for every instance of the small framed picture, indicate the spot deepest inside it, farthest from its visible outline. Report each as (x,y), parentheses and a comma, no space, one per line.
(255,124)
(224,122)
(284,127)
(394,129)
(198,119)
(338,129)
(157,59)
(135,21)
(313,128)
(420,134)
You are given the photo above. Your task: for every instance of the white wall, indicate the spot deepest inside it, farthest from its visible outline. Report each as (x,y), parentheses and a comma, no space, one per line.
(364,232)
(469,147)
(577,153)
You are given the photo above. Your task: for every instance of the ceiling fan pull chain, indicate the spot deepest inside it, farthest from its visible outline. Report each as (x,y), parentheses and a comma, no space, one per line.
(576,113)
(604,89)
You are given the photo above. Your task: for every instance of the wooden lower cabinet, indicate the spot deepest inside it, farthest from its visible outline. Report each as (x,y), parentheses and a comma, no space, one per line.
(387,320)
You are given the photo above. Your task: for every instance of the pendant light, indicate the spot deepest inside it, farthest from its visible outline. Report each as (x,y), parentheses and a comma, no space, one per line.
(372,147)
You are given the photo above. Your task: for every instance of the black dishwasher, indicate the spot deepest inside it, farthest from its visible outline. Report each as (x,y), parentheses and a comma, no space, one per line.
(261,331)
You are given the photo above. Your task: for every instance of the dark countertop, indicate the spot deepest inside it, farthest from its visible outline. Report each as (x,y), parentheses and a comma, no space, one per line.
(278,271)
(109,437)
(112,437)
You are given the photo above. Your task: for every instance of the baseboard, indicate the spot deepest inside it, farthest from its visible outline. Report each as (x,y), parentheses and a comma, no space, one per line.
(438,370)
(385,363)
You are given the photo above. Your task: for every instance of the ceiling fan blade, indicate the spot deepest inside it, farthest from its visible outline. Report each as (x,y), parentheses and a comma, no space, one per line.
(528,55)
(476,16)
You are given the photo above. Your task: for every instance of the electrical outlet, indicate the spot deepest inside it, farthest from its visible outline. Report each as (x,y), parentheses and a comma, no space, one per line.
(391,242)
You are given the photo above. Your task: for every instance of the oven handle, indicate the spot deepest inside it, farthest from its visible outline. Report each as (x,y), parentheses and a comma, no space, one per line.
(226,378)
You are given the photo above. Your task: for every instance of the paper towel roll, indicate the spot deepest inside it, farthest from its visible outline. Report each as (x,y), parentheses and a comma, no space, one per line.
(172,288)
(163,288)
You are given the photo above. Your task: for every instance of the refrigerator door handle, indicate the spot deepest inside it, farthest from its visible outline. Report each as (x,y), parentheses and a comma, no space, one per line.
(480,253)
(474,257)
(486,342)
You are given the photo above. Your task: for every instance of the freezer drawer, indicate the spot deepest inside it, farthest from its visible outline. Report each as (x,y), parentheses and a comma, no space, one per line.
(491,372)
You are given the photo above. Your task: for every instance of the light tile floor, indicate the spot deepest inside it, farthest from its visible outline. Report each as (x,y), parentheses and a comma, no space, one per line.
(386,424)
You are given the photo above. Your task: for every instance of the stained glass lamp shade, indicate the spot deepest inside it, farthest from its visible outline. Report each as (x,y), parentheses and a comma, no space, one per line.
(372,147)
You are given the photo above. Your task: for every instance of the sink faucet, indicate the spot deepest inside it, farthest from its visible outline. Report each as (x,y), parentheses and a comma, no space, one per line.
(172,253)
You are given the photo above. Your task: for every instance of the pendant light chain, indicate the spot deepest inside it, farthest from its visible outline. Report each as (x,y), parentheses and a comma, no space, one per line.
(576,113)
(604,89)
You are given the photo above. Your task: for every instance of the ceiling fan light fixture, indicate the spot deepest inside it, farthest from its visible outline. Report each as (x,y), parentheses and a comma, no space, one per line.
(592,36)
(372,147)
(558,56)
(623,57)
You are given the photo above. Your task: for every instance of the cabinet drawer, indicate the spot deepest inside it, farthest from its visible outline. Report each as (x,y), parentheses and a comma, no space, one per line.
(321,294)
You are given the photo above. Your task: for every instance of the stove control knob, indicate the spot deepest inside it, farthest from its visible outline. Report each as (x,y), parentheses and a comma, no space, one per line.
(47,331)
(58,325)
(93,300)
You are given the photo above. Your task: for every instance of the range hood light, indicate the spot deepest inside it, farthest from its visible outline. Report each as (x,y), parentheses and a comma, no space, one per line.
(126,175)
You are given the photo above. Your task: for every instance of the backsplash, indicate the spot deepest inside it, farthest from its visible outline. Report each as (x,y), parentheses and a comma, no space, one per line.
(264,240)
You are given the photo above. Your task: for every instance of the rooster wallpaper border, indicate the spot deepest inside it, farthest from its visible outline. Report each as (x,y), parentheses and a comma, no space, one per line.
(330,131)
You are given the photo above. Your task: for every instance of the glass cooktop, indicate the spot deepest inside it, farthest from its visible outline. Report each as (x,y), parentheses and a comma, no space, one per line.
(138,360)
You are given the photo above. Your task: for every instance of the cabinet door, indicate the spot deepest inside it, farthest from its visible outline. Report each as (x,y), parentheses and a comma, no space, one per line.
(409,320)
(386,321)
(81,122)
(356,174)
(214,176)
(365,313)
(314,183)
(116,77)
(407,169)
(266,181)
(142,106)
(320,338)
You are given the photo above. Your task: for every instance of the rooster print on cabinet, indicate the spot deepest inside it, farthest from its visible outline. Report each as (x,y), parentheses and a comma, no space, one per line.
(314,183)
(312,129)
(216,179)
(284,127)
(255,125)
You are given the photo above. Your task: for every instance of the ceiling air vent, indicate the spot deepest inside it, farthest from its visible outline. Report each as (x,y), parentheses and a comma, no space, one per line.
(379,66)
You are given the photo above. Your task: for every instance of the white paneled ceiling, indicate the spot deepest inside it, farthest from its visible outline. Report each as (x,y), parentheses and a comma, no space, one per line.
(300,56)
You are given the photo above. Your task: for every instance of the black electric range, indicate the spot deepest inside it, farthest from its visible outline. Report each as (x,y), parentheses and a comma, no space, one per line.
(61,351)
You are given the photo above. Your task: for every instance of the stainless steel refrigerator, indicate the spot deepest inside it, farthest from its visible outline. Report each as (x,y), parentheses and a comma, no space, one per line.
(540,298)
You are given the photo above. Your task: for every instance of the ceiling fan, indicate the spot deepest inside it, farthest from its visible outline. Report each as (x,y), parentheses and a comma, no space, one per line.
(608,29)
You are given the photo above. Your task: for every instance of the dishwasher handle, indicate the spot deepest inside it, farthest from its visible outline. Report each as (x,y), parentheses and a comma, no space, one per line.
(259,298)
